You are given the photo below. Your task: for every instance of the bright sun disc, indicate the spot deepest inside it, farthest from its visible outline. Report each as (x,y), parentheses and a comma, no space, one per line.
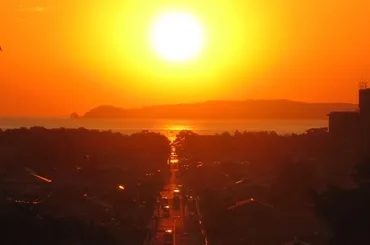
(177,36)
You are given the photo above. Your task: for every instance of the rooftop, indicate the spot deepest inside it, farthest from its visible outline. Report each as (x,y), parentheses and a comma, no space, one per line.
(343,112)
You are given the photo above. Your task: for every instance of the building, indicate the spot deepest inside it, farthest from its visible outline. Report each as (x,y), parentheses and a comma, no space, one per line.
(364,101)
(344,125)
(352,128)
(364,104)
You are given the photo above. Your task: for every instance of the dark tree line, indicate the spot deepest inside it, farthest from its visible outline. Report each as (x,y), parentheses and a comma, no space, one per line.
(38,145)
(263,152)
(251,145)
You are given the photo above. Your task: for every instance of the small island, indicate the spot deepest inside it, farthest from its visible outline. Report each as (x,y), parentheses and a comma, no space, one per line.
(74,115)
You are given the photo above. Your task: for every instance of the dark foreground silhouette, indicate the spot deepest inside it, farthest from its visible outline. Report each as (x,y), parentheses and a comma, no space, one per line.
(78,186)
(265,188)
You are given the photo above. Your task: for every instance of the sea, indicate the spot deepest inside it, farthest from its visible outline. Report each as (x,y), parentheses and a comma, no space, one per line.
(167,127)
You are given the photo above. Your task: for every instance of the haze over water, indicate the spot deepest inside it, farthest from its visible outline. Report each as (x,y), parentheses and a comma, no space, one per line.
(167,127)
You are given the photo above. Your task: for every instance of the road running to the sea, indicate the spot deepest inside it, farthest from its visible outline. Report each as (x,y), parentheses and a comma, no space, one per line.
(184,223)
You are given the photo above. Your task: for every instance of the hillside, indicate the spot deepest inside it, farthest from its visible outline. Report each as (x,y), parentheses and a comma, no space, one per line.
(250,109)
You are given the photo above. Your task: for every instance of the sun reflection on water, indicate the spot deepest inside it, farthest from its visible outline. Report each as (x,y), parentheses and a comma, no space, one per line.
(177,127)
(173,129)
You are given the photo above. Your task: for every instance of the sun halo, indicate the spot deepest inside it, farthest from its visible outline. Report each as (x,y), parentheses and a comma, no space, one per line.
(176,36)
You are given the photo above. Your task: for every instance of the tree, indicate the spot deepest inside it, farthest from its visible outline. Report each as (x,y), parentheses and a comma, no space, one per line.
(347,211)
(293,184)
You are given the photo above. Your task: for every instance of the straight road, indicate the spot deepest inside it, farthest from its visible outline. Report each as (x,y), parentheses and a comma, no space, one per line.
(185,227)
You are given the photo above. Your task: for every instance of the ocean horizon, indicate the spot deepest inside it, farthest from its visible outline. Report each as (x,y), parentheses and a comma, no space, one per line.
(165,126)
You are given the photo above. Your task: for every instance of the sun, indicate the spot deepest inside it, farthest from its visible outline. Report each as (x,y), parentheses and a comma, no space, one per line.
(177,36)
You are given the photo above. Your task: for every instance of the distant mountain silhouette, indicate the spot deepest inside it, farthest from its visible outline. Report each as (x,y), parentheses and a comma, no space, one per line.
(249,109)
(105,111)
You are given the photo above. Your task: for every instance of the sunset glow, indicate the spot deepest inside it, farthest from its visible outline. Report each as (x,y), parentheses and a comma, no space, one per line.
(189,122)
(121,53)
(176,36)
(178,127)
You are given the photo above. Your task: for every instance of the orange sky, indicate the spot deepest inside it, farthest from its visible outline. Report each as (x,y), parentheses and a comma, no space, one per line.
(65,56)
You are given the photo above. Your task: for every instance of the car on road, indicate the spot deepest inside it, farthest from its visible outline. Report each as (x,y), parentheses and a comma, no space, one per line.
(176,202)
(164,202)
(166,211)
(168,237)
